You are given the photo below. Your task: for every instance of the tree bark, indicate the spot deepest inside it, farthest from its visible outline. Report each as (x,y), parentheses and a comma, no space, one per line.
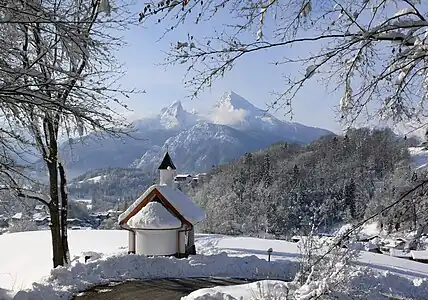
(51,159)
(64,213)
(56,237)
(55,215)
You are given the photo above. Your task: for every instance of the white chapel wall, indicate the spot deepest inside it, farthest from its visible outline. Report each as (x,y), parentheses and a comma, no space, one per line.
(156,242)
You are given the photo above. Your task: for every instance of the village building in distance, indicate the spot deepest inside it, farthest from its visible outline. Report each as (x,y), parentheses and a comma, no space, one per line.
(182,180)
(161,221)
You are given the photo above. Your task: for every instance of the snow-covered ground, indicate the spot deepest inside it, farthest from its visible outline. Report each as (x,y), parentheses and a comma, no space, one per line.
(26,258)
(95,179)
(419,157)
(264,289)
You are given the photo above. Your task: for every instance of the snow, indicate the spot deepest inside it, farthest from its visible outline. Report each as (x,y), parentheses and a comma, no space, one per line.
(370,246)
(17,216)
(84,201)
(23,267)
(404,11)
(225,126)
(399,253)
(370,229)
(422,254)
(180,201)
(419,157)
(283,250)
(175,117)
(183,204)
(95,179)
(263,288)
(220,256)
(183,175)
(39,207)
(154,216)
(39,216)
(19,266)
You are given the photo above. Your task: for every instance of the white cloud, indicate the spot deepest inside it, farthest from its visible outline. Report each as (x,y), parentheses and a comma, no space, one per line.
(226,116)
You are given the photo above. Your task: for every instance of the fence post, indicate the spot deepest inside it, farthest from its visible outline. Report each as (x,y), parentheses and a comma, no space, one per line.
(269,251)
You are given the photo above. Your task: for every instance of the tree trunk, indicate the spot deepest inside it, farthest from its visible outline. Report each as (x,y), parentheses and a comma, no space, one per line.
(54,209)
(64,213)
(55,215)
(56,237)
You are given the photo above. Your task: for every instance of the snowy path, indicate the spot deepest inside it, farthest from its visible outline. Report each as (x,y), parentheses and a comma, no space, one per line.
(163,289)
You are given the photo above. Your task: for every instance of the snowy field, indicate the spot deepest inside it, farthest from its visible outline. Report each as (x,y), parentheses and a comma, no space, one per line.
(26,258)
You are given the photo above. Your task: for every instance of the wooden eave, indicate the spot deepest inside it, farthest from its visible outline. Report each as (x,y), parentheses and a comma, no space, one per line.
(155,192)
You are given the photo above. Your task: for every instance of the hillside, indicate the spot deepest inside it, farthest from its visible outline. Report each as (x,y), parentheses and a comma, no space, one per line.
(111,184)
(286,189)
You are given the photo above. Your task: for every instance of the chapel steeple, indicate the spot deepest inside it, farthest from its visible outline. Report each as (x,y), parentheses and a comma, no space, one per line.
(167,162)
(167,171)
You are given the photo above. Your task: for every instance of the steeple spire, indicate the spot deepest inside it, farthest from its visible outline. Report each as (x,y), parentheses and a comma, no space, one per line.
(167,162)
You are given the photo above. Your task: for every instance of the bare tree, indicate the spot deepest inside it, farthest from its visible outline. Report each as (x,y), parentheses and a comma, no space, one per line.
(59,77)
(372,51)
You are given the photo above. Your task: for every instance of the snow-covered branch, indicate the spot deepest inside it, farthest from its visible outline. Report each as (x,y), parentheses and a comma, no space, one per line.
(351,42)
(59,76)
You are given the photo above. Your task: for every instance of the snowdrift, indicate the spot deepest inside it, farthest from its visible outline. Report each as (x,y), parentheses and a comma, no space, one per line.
(63,283)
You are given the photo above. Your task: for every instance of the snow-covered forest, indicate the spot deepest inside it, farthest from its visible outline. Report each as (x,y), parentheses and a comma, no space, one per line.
(285,189)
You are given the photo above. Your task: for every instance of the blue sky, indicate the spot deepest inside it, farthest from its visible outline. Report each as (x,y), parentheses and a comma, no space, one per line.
(253,77)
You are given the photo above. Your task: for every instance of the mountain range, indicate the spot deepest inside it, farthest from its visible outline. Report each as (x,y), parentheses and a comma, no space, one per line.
(196,142)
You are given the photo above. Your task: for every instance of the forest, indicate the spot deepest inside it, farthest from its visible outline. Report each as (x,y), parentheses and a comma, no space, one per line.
(289,189)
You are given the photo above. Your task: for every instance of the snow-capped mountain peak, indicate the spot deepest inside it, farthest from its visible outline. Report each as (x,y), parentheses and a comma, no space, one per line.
(233,110)
(174,116)
(174,109)
(233,101)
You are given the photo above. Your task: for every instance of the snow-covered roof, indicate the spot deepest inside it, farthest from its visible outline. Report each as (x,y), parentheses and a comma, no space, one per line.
(39,216)
(370,246)
(85,201)
(154,216)
(99,214)
(17,216)
(422,254)
(40,207)
(399,253)
(395,243)
(183,175)
(180,201)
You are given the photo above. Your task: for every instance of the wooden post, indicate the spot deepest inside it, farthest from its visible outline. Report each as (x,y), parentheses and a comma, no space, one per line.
(131,242)
(269,251)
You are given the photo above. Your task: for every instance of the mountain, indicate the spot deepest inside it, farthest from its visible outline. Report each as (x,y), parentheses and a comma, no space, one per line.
(172,117)
(232,127)
(92,152)
(204,145)
(233,110)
